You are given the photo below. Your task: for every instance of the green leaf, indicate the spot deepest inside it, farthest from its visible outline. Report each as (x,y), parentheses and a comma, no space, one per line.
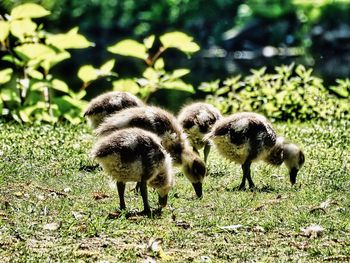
(178,73)
(15,116)
(341,91)
(35,97)
(60,85)
(128,85)
(72,118)
(150,74)
(149,41)
(53,59)
(28,10)
(222,90)
(23,114)
(10,94)
(71,39)
(22,28)
(88,73)
(107,67)
(178,85)
(34,51)
(77,95)
(209,86)
(4,30)
(39,86)
(129,47)
(13,59)
(5,75)
(180,41)
(159,64)
(34,73)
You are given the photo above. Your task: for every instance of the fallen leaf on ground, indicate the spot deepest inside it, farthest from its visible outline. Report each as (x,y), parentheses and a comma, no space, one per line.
(77,215)
(52,192)
(155,245)
(51,226)
(231,227)
(113,215)
(312,231)
(301,246)
(40,197)
(67,189)
(149,260)
(259,229)
(278,199)
(99,195)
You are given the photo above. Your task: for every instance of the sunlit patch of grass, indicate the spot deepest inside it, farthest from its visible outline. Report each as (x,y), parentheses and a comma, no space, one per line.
(41,182)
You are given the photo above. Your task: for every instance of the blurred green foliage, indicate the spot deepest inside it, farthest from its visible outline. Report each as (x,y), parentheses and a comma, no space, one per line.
(290,93)
(28,91)
(155,77)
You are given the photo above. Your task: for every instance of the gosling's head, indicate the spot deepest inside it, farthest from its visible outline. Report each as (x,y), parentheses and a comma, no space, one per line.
(194,169)
(294,159)
(166,184)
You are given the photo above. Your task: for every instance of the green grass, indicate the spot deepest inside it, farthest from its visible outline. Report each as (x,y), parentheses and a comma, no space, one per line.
(40,183)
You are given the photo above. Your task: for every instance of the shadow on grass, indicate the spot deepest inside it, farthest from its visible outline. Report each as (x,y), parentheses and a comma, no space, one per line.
(135,215)
(264,189)
(89,168)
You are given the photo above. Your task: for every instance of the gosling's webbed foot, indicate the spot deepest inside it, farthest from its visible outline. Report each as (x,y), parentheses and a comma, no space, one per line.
(146,212)
(241,187)
(253,188)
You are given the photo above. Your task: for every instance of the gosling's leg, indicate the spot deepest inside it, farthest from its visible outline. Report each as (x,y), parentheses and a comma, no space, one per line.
(144,194)
(121,190)
(246,171)
(242,185)
(206,151)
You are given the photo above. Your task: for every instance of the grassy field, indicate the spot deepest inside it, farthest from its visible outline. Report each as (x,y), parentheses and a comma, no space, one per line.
(53,211)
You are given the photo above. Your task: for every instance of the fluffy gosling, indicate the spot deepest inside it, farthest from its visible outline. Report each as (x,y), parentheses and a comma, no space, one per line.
(136,155)
(165,125)
(108,103)
(248,137)
(197,119)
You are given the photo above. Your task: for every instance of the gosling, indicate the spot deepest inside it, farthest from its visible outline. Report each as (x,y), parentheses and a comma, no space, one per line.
(197,119)
(103,105)
(165,125)
(136,155)
(248,137)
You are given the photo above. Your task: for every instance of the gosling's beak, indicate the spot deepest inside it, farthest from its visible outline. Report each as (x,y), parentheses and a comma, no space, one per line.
(163,200)
(198,189)
(293,175)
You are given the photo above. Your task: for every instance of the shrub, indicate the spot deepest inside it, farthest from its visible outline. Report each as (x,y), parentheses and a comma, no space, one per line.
(290,93)
(155,76)
(28,91)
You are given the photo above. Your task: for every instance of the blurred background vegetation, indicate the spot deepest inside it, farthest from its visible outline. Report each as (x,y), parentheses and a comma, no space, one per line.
(234,36)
